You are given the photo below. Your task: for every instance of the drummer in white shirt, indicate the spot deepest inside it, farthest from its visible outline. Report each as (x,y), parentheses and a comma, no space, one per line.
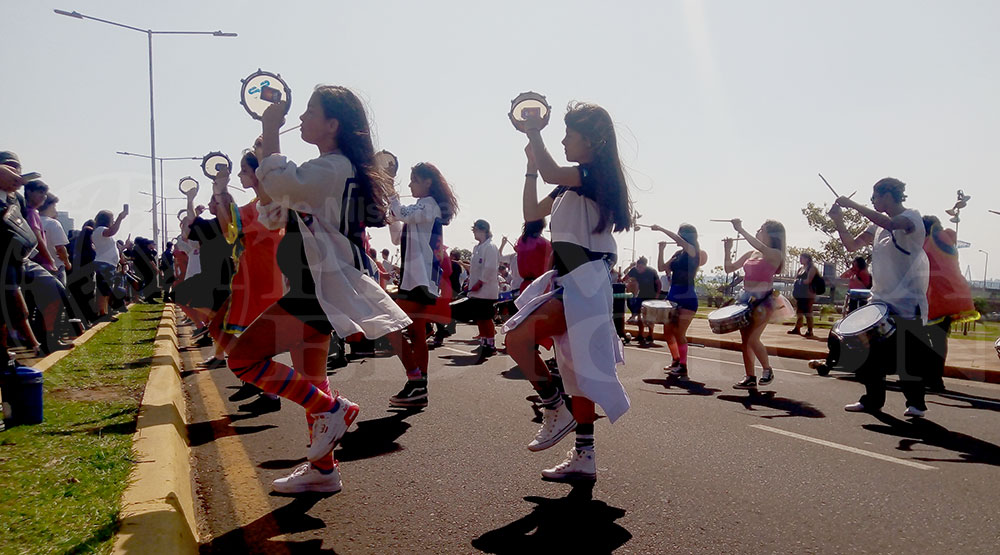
(900,274)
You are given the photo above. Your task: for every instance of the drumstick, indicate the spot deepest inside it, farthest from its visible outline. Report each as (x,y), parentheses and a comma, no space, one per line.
(283,131)
(994,212)
(828,185)
(724,221)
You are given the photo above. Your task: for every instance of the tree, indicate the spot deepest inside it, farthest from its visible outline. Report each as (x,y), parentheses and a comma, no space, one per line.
(832,250)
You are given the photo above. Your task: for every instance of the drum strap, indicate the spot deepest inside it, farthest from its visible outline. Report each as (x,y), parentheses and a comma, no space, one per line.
(895,244)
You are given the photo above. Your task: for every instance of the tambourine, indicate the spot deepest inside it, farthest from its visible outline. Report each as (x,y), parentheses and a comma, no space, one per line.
(524,105)
(250,92)
(387,162)
(210,164)
(181,215)
(187,185)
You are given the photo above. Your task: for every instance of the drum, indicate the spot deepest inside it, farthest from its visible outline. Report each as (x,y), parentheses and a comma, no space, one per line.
(868,324)
(730,318)
(855,299)
(658,312)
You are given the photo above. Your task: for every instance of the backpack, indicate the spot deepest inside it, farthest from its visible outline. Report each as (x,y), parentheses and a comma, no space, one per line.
(818,285)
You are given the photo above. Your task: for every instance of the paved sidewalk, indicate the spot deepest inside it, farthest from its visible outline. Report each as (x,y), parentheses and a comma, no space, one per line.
(967,359)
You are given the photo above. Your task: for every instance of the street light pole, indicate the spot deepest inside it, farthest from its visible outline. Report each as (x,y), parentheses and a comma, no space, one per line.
(152,123)
(163,211)
(986,266)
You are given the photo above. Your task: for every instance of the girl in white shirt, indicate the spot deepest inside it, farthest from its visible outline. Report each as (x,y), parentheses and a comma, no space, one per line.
(420,274)
(590,202)
(324,206)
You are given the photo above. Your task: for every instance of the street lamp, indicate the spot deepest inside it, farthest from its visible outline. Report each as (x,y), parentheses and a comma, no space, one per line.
(163,212)
(152,127)
(954,212)
(986,266)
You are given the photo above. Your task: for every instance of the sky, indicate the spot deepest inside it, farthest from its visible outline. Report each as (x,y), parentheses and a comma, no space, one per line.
(723,109)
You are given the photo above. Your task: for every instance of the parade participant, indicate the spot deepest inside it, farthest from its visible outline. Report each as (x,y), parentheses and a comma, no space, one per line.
(205,294)
(648,288)
(534,252)
(420,274)
(572,303)
(324,205)
(683,267)
(453,272)
(900,281)
(858,275)
(257,283)
(484,288)
(106,257)
(804,295)
(759,268)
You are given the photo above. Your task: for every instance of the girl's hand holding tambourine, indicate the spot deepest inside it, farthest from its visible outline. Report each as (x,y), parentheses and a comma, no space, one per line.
(274,116)
(221,181)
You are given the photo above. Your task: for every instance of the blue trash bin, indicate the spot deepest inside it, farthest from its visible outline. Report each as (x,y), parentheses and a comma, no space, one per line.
(22,392)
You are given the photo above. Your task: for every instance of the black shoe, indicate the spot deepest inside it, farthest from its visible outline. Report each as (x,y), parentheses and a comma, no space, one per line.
(52,345)
(262,405)
(199,333)
(766,376)
(246,391)
(213,363)
(333,363)
(680,371)
(436,342)
(748,382)
(485,352)
(413,394)
(204,341)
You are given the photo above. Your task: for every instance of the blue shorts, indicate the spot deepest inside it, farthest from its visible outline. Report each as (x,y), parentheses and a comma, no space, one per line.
(685,298)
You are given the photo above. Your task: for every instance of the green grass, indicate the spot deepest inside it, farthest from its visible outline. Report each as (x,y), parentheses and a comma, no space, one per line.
(61,481)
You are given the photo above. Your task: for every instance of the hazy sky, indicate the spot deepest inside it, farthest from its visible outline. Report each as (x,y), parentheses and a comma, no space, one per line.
(723,109)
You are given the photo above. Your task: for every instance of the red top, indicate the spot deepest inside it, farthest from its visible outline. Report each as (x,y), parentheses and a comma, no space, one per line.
(258,282)
(534,258)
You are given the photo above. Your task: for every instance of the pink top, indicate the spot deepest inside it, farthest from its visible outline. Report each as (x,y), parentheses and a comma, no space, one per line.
(759,271)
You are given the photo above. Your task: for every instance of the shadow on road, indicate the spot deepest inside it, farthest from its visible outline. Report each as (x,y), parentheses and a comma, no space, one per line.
(921,431)
(767,399)
(575,523)
(687,387)
(964,401)
(374,438)
(256,536)
(200,433)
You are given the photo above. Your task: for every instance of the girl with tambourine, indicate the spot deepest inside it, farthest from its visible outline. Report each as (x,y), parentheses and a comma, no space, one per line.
(324,206)
(572,303)
(683,266)
(420,275)
(759,268)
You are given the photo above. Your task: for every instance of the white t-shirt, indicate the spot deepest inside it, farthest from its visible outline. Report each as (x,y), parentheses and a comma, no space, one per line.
(55,236)
(105,247)
(190,248)
(515,277)
(418,261)
(485,268)
(900,279)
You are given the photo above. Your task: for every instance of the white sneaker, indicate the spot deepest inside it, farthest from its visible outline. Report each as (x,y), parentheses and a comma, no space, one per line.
(556,423)
(816,363)
(855,407)
(306,478)
(914,412)
(579,465)
(329,427)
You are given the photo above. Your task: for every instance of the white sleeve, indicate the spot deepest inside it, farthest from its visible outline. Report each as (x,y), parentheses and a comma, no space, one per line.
(417,213)
(55,234)
(305,188)
(272,216)
(491,262)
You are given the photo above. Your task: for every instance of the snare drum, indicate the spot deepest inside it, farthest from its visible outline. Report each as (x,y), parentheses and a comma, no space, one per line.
(658,312)
(868,324)
(730,318)
(855,299)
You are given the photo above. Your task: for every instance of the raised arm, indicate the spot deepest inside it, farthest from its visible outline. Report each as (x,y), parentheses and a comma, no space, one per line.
(688,247)
(117,223)
(567,176)
(531,207)
(771,254)
(227,206)
(851,243)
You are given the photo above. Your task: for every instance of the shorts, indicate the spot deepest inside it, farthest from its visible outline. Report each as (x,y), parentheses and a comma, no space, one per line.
(685,298)
(481,309)
(761,300)
(306,308)
(417,295)
(104,274)
(201,291)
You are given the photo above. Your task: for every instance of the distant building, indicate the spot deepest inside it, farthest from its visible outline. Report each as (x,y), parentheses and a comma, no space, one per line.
(65,220)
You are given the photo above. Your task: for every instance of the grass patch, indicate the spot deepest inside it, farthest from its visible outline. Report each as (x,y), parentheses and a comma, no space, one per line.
(61,481)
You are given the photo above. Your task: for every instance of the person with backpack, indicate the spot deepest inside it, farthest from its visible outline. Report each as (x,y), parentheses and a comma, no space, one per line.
(805,295)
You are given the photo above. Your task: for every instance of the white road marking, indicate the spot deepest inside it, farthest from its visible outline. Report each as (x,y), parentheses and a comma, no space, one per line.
(457,351)
(847,448)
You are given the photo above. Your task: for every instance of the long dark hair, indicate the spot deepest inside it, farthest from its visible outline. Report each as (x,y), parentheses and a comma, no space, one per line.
(613,201)
(440,190)
(355,141)
(533,228)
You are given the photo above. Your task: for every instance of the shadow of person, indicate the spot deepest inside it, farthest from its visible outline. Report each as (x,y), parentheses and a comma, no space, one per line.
(921,431)
(256,537)
(964,401)
(575,523)
(687,387)
(767,399)
(374,438)
(200,433)
(513,373)
(461,360)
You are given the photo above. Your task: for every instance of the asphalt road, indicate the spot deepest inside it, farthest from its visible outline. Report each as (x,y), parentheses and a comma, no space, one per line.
(694,467)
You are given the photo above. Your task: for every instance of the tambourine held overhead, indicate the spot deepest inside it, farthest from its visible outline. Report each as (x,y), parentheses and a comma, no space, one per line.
(181,215)
(525,105)
(250,92)
(212,161)
(187,185)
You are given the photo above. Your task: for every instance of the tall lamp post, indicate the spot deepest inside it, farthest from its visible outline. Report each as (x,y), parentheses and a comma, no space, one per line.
(152,127)
(986,266)
(163,209)
(954,212)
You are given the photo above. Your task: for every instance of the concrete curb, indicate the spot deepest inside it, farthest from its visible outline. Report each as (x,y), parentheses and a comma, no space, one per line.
(158,514)
(722,342)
